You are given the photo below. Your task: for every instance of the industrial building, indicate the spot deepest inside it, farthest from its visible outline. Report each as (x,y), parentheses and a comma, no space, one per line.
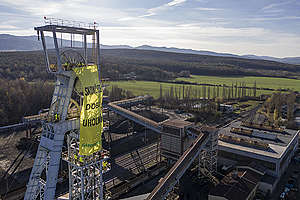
(242,143)
(174,139)
(240,184)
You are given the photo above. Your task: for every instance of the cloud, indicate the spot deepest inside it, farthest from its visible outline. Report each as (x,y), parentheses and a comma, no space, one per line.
(8,27)
(273,5)
(178,23)
(148,15)
(274,11)
(127,18)
(208,9)
(274,18)
(155,10)
(175,2)
(36,7)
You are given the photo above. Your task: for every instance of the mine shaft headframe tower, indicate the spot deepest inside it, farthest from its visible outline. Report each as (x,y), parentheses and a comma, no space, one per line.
(73,31)
(44,174)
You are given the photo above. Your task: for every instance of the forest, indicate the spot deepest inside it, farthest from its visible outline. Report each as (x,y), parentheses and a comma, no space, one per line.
(26,87)
(19,98)
(147,65)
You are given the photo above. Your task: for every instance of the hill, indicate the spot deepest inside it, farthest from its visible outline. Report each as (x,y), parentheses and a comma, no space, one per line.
(30,43)
(202,64)
(148,65)
(289,60)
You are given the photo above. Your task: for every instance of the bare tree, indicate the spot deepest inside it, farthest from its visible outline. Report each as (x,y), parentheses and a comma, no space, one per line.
(204,91)
(214,92)
(223,92)
(232,91)
(291,98)
(236,88)
(254,89)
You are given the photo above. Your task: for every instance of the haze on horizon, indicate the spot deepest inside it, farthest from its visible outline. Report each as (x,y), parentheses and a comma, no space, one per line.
(265,27)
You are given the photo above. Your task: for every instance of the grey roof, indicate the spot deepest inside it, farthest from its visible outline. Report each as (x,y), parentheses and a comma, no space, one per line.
(282,139)
(236,185)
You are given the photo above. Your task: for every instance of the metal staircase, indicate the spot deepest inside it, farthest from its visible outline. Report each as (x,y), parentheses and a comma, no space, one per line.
(138,161)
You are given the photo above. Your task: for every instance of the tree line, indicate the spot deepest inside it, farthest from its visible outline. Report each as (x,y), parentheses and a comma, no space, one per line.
(19,98)
(147,65)
(189,94)
(280,106)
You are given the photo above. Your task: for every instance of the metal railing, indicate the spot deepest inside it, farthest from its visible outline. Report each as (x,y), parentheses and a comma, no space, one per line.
(70,23)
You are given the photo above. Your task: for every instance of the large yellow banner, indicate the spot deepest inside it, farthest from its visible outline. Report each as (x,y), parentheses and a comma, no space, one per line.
(91,121)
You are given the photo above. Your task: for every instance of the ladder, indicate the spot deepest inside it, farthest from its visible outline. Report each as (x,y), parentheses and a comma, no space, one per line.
(49,151)
(138,161)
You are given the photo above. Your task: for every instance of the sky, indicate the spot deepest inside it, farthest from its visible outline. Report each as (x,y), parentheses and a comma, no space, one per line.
(260,27)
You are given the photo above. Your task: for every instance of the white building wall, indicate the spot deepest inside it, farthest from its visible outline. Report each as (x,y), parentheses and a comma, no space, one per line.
(294,147)
(278,172)
(252,155)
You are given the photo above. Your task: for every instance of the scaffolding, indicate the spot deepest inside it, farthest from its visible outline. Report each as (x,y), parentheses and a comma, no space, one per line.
(208,156)
(85,173)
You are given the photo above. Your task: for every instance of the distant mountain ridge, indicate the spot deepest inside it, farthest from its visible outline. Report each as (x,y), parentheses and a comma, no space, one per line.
(290,60)
(189,51)
(28,43)
(31,43)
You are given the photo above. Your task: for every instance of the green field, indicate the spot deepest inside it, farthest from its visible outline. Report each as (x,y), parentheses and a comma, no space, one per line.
(153,88)
(143,87)
(265,82)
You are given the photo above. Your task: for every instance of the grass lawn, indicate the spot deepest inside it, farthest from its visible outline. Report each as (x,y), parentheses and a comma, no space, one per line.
(153,88)
(264,82)
(143,87)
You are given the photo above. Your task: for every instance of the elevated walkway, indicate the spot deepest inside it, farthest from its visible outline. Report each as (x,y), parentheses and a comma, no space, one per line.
(119,108)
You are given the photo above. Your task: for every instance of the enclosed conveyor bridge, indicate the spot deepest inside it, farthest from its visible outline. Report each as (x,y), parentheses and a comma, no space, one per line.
(119,107)
(183,163)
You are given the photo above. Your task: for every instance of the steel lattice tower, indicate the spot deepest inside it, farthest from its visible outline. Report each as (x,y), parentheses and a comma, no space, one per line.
(85,175)
(208,157)
(85,178)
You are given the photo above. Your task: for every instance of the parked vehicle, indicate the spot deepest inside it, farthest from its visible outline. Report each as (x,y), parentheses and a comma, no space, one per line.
(289,186)
(286,190)
(282,196)
(292,182)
